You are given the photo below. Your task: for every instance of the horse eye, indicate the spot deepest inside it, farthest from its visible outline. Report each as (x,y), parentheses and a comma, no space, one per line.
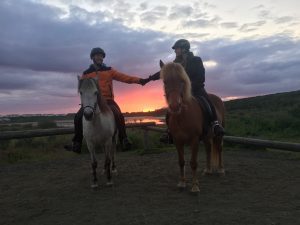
(80,92)
(96,93)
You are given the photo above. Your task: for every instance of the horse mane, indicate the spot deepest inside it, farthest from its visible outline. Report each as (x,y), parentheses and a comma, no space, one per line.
(90,83)
(175,72)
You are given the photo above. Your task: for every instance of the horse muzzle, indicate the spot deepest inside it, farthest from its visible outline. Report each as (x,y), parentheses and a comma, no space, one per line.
(88,113)
(175,108)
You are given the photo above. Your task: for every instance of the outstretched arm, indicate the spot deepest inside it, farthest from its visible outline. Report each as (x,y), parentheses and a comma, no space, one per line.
(155,76)
(122,77)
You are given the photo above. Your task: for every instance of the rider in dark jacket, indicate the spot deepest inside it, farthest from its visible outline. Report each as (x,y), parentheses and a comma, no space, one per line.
(105,77)
(193,66)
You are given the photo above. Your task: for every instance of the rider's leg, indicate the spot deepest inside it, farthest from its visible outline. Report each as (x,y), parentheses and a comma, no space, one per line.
(203,98)
(120,121)
(167,137)
(77,139)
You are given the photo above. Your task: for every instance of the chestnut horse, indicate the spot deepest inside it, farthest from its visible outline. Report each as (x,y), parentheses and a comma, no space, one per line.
(187,123)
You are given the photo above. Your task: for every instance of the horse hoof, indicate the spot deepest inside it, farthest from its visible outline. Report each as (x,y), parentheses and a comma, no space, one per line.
(94,186)
(195,189)
(221,172)
(109,184)
(207,172)
(181,185)
(114,172)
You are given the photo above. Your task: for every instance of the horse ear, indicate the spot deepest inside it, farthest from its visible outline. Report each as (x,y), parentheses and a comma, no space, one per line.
(161,64)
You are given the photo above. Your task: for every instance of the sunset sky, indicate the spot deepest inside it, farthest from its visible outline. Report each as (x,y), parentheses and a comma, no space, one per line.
(249,48)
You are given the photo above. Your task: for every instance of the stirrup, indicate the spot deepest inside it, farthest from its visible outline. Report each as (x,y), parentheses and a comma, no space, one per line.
(217,129)
(126,144)
(75,147)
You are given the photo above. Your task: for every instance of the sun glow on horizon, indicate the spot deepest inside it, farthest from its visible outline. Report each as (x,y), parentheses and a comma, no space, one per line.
(148,110)
(232,98)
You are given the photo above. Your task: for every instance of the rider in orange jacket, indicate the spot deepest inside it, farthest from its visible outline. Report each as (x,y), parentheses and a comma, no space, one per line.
(105,76)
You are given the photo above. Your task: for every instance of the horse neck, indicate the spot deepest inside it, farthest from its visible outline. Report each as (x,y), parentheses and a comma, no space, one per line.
(189,109)
(102,105)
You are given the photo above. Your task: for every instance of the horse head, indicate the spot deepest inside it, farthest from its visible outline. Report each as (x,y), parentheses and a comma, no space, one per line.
(89,96)
(177,85)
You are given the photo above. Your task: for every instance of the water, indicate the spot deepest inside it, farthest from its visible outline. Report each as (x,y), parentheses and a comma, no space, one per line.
(144,119)
(135,119)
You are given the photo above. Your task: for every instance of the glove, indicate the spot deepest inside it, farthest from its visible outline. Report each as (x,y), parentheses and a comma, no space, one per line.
(155,76)
(144,81)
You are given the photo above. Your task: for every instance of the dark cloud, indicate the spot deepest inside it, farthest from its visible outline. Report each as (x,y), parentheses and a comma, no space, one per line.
(36,38)
(178,12)
(198,23)
(284,19)
(154,15)
(229,25)
(42,51)
(247,27)
(143,6)
(253,67)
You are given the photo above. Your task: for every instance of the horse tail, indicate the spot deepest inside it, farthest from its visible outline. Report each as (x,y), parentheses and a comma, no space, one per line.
(216,151)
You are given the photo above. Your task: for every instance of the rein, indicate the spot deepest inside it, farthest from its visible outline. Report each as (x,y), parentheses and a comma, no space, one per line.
(168,92)
(93,108)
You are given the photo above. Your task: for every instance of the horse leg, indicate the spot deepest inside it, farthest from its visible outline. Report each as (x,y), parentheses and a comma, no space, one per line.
(182,180)
(114,149)
(108,162)
(194,164)
(94,168)
(208,146)
(219,148)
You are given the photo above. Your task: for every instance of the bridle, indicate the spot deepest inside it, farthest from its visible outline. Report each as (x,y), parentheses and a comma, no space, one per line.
(91,107)
(171,90)
(94,107)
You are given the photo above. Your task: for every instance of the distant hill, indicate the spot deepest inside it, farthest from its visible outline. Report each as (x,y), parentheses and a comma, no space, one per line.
(275,116)
(279,101)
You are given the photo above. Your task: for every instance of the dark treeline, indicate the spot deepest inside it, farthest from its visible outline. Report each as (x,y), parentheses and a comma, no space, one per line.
(275,116)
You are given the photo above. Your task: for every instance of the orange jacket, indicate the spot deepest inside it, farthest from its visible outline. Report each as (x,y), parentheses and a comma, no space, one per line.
(105,77)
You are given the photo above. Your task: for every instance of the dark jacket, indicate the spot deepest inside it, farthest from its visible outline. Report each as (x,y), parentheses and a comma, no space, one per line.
(194,69)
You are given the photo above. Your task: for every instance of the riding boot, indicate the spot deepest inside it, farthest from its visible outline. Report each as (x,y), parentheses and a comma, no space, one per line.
(126,144)
(78,130)
(167,138)
(217,128)
(204,100)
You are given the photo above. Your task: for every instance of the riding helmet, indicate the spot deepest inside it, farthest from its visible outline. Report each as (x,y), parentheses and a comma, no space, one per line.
(183,44)
(95,51)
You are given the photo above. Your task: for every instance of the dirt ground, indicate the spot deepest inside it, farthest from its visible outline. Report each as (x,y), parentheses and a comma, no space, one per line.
(260,187)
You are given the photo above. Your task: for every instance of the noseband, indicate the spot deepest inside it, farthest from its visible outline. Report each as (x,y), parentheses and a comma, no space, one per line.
(91,107)
(168,92)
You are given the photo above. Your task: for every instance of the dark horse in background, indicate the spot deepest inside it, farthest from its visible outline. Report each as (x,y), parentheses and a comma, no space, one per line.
(187,123)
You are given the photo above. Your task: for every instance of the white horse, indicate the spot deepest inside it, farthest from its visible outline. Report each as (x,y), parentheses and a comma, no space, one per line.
(99,127)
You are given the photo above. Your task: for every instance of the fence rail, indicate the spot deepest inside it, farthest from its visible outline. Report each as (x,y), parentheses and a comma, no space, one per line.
(295,147)
(7,135)
(150,126)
